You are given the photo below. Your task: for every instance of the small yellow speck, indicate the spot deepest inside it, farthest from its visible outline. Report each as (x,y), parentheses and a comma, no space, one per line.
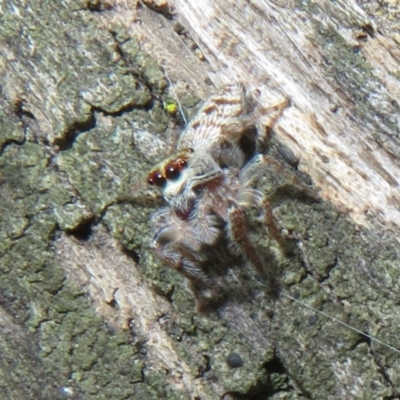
(171,108)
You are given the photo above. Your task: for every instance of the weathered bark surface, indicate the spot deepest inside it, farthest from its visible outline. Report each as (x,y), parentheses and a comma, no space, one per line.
(86,311)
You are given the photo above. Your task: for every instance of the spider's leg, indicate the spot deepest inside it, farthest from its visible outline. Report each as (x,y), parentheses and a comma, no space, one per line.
(285,242)
(238,234)
(234,128)
(276,111)
(270,222)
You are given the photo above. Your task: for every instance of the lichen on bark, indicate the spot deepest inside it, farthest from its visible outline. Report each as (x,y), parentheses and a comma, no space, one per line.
(88,310)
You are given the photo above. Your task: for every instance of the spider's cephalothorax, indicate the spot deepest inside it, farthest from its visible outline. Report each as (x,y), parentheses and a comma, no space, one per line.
(207,185)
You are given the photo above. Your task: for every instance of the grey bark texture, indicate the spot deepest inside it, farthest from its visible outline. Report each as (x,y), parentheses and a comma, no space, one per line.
(87,312)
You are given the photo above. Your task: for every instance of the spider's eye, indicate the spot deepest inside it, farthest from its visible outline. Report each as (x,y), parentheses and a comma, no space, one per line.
(172,172)
(174,169)
(157,179)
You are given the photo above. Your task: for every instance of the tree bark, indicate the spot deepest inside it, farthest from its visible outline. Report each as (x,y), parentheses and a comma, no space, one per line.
(87,311)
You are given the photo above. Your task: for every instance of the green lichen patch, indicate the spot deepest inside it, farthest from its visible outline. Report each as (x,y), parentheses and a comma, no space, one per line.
(100,165)
(76,346)
(11,130)
(142,62)
(341,269)
(128,224)
(75,67)
(64,68)
(84,87)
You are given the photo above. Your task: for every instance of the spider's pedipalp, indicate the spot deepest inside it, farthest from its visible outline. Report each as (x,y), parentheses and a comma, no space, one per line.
(181,259)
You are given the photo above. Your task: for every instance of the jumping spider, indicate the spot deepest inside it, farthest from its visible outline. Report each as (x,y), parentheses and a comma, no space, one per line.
(207,185)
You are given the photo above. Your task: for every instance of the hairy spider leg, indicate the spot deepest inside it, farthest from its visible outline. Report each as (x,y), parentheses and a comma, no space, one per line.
(238,233)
